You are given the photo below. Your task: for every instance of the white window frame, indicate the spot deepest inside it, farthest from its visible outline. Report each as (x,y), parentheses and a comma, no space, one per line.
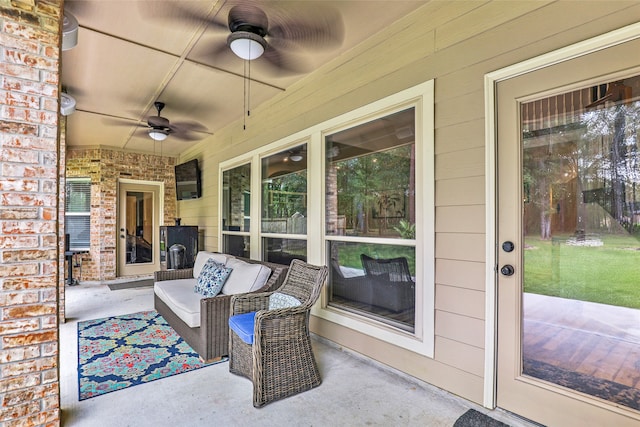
(421,97)
(262,235)
(86,214)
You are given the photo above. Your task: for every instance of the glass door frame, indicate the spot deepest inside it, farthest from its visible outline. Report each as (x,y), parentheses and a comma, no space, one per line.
(613,38)
(157,188)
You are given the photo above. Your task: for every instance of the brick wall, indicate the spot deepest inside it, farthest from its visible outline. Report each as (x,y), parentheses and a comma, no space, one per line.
(29,255)
(105,167)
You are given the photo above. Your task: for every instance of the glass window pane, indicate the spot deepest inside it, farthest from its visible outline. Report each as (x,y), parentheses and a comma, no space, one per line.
(370,178)
(236,245)
(78,229)
(236,198)
(373,280)
(78,197)
(283,251)
(284,192)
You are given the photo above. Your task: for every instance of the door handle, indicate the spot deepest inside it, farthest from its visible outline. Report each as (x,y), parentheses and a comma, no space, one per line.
(507,270)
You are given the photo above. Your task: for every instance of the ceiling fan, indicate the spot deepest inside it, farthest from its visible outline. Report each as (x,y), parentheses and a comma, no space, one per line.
(159,128)
(277,34)
(281,39)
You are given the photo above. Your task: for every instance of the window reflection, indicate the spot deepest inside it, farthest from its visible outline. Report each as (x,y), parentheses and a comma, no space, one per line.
(236,203)
(284,192)
(370,178)
(283,251)
(377,281)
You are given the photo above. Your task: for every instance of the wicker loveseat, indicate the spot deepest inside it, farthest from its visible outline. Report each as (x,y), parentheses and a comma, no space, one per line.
(205,329)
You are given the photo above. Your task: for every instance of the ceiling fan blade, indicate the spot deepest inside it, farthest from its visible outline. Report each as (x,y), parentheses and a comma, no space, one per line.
(173,11)
(242,16)
(318,27)
(281,63)
(190,126)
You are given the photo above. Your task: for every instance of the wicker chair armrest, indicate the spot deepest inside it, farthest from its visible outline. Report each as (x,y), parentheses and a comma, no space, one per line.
(245,303)
(185,273)
(293,319)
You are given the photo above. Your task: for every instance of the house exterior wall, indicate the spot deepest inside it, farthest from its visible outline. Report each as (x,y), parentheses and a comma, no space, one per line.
(105,167)
(29,244)
(455,43)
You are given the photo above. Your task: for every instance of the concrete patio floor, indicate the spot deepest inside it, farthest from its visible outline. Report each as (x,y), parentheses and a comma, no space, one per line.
(355,390)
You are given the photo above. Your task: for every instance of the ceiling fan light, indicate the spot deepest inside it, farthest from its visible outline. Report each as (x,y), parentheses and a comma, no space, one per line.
(158,134)
(69,31)
(246,45)
(295,157)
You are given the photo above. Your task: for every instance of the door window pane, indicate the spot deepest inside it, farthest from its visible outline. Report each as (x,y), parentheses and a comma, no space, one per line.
(581,301)
(139,227)
(370,178)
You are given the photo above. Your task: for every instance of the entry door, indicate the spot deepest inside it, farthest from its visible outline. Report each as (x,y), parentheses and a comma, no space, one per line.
(569,241)
(138,229)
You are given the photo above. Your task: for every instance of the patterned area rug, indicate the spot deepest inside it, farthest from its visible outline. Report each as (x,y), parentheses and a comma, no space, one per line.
(123,351)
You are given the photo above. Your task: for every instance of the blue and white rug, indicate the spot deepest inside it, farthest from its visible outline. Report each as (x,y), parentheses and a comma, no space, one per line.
(123,351)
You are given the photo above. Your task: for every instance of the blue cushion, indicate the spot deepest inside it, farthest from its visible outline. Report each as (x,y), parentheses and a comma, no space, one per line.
(242,325)
(211,278)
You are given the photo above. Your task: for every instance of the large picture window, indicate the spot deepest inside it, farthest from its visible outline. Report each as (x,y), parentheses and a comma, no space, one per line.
(370,194)
(354,193)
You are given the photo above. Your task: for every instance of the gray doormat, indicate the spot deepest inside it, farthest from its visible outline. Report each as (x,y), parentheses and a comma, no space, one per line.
(473,418)
(128,285)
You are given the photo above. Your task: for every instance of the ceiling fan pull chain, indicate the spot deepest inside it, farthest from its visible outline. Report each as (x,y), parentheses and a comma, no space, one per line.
(244,96)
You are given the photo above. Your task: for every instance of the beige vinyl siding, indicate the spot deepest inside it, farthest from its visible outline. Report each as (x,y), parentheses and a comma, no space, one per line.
(460,191)
(456,43)
(460,219)
(466,302)
(463,274)
(460,355)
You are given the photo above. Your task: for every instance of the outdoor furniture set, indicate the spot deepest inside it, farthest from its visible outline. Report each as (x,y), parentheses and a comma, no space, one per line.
(259,317)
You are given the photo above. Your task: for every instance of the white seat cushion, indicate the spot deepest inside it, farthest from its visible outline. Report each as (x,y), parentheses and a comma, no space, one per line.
(245,277)
(178,295)
(203,256)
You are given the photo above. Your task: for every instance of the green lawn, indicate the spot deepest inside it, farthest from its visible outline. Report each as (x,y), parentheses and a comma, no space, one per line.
(608,274)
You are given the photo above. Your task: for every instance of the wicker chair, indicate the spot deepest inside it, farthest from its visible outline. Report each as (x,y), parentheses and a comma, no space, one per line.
(279,360)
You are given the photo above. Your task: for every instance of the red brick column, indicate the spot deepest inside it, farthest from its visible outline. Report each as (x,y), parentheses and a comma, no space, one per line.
(29,71)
